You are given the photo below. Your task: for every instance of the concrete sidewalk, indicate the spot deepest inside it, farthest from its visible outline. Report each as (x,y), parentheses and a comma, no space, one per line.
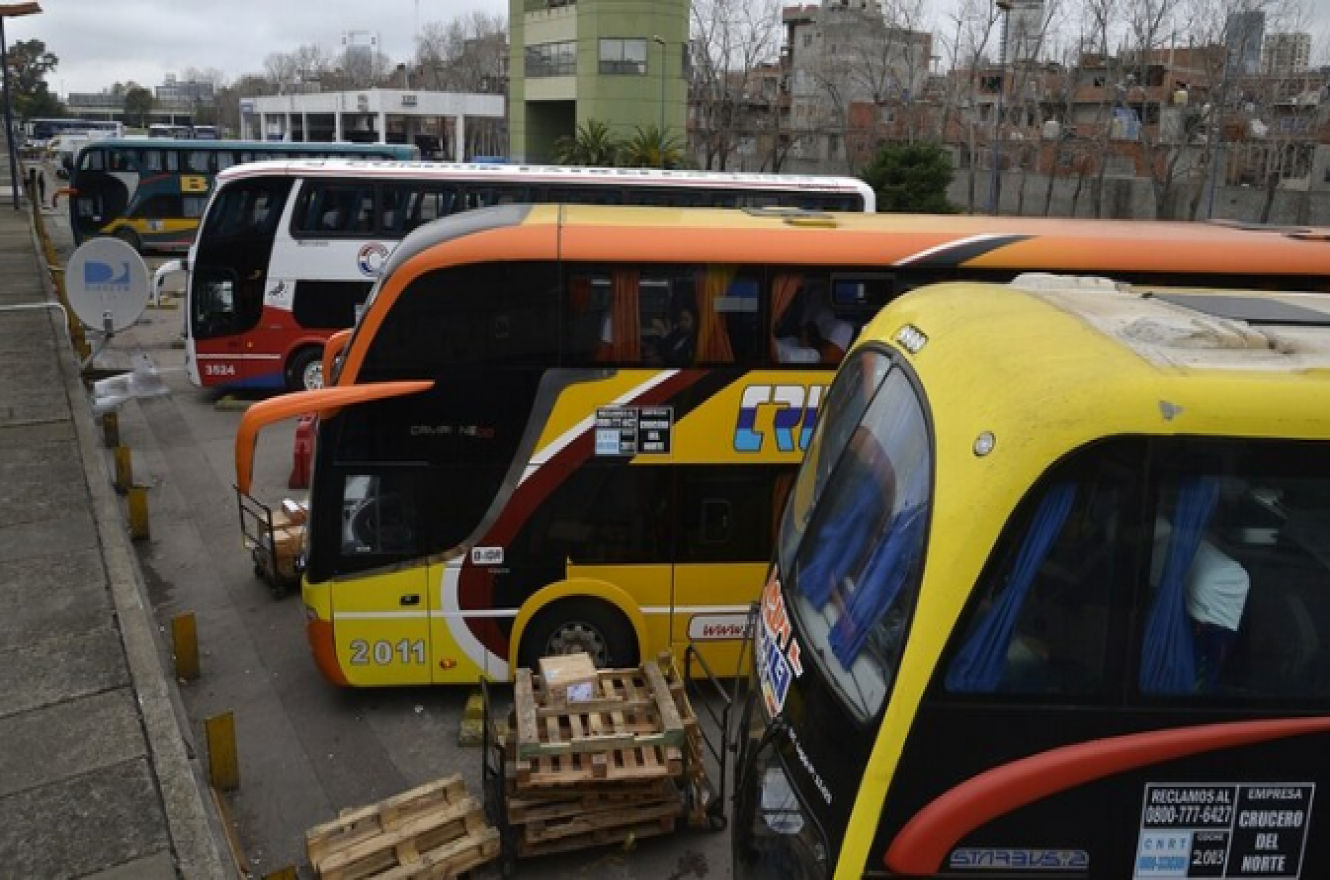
(97,778)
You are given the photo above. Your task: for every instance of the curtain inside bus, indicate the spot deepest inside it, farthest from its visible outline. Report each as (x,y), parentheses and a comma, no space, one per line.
(1168,664)
(979,667)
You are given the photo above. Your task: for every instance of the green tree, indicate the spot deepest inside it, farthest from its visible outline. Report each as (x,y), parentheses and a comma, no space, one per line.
(138,104)
(29,63)
(593,144)
(653,147)
(911,177)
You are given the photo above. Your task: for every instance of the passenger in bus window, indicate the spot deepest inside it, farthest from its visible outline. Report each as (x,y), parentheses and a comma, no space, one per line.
(800,349)
(678,338)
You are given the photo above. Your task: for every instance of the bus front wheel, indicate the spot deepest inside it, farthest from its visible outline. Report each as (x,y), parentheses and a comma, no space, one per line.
(574,625)
(304,372)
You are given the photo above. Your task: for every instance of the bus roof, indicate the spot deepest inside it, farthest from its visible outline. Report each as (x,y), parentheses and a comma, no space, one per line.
(900,242)
(534,173)
(273,146)
(1067,359)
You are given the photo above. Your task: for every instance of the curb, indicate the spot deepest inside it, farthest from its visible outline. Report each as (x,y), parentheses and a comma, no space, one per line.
(192,830)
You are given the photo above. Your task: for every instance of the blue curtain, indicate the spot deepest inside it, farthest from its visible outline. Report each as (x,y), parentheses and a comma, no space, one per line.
(841,542)
(879,583)
(980,664)
(1168,661)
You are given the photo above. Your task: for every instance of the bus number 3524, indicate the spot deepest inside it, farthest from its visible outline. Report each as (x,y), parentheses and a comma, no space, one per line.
(382,653)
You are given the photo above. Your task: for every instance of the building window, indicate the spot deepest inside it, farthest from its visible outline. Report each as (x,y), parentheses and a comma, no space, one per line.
(623,56)
(552,59)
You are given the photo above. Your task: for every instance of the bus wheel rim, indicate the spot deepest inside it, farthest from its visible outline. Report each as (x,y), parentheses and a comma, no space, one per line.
(573,637)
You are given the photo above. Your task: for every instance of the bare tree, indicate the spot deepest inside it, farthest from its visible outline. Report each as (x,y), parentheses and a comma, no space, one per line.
(280,68)
(975,33)
(465,54)
(732,42)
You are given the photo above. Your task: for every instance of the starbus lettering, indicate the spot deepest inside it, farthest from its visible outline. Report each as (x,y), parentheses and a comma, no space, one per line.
(795,414)
(1017,858)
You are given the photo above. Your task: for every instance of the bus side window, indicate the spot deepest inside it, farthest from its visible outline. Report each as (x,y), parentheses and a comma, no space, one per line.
(1241,610)
(361,211)
(393,204)
(805,327)
(1042,617)
(586,311)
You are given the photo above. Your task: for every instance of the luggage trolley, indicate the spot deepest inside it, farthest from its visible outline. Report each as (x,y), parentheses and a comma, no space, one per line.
(275,540)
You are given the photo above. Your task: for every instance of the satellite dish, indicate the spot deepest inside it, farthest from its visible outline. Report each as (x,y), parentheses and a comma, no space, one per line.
(106,282)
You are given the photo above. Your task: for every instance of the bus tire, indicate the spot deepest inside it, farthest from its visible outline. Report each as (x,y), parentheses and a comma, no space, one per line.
(304,372)
(131,238)
(573,625)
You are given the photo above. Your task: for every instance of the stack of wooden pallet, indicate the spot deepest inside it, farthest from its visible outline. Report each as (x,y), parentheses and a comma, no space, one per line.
(436,830)
(622,764)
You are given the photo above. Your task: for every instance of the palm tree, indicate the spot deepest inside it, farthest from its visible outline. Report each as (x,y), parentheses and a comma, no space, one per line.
(653,147)
(593,144)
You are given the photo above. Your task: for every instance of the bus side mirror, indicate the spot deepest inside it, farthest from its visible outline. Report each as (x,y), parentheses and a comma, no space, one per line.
(170,267)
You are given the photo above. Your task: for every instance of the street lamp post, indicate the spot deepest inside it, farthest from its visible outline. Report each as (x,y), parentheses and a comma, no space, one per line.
(1005,7)
(656,38)
(12,10)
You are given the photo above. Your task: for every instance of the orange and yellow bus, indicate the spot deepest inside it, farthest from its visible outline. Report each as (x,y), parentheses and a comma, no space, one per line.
(1051,595)
(562,427)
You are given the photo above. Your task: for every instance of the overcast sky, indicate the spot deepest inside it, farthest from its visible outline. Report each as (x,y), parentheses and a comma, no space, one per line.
(101,42)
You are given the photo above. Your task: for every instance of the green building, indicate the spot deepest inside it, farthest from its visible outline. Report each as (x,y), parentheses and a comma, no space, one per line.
(622,62)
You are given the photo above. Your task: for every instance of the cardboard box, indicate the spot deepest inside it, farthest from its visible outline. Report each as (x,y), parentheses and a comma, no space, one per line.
(294,511)
(569,678)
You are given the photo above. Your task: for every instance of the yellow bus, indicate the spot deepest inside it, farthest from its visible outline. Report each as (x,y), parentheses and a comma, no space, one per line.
(1051,596)
(560,427)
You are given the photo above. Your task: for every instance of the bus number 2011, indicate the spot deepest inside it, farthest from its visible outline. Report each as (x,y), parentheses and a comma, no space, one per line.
(382,653)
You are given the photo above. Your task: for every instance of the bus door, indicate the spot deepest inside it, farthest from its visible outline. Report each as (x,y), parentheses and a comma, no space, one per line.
(726,516)
(381,615)
(229,281)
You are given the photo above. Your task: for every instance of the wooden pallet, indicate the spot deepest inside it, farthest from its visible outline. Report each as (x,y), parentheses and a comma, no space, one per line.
(595,837)
(641,764)
(535,806)
(435,830)
(621,765)
(632,708)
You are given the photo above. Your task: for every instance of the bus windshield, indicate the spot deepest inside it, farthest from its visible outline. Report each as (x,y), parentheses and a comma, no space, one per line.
(851,542)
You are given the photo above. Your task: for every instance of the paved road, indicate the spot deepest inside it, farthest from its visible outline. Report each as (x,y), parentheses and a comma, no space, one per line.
(307,750)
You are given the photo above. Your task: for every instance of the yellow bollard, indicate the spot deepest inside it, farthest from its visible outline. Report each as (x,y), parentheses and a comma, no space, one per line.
(111,429)
(223,761)
(124,470)
(185,640)
(138,513)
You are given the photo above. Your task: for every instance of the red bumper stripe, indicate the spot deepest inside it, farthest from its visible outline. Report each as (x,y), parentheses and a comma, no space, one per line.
(935,830)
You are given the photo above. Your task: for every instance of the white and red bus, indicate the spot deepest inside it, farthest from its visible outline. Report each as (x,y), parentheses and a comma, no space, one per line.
(288,250)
